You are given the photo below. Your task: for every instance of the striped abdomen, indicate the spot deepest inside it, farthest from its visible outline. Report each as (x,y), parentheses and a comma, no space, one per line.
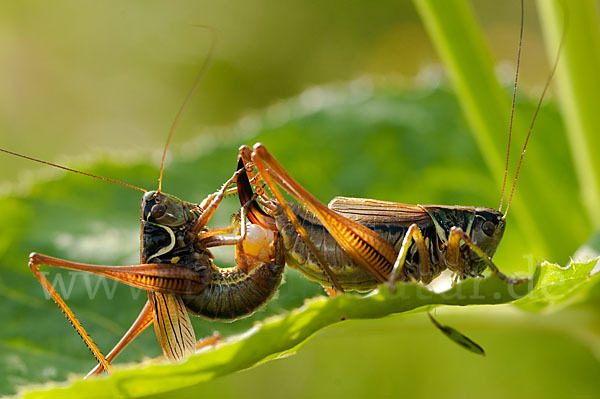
(231,293)
(348,273)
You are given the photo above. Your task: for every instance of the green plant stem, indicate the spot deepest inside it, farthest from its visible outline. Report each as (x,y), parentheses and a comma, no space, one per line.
(578,87)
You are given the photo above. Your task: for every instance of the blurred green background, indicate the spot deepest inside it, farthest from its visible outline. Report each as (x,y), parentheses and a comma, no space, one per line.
(79,77)
(96,86)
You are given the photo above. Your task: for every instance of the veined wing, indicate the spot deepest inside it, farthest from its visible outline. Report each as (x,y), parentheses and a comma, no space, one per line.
(365,210)
(172,325)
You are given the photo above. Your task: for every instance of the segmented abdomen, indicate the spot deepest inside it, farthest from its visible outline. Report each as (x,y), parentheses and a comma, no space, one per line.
(232,294)
(348,273)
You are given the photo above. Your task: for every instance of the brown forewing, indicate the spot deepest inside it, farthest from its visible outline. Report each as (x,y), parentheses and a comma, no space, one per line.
(364,210)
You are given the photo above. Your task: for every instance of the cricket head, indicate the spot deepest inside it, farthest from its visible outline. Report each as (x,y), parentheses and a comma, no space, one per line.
(164,209)
(486,233)
(164,217)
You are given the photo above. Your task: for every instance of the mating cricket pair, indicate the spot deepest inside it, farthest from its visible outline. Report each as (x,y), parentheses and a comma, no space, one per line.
(354,244)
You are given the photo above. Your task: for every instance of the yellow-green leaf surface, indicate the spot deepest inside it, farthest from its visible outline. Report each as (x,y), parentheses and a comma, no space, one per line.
(281,334)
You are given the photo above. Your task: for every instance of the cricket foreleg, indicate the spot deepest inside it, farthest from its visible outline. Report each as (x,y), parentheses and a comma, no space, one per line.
(217,231)
(453,253)
(212,202)
(458,232)
(213,238)
(413,233)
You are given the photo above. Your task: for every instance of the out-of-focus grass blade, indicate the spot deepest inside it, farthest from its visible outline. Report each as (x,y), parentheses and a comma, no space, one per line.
(578,86)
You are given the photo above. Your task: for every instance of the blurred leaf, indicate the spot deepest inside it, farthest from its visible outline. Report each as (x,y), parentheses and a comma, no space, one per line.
(589,250)
(578,86)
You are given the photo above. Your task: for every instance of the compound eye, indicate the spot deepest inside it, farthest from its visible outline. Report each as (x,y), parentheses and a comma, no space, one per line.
(158,211)
(489,228)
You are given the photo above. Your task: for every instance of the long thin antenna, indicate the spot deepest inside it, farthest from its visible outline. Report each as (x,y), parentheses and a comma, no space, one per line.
(73,170)
(188,99)
(512,110)
(537,109)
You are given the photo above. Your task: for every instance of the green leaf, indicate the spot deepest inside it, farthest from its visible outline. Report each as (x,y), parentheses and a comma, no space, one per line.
(559,287)
(282,334)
